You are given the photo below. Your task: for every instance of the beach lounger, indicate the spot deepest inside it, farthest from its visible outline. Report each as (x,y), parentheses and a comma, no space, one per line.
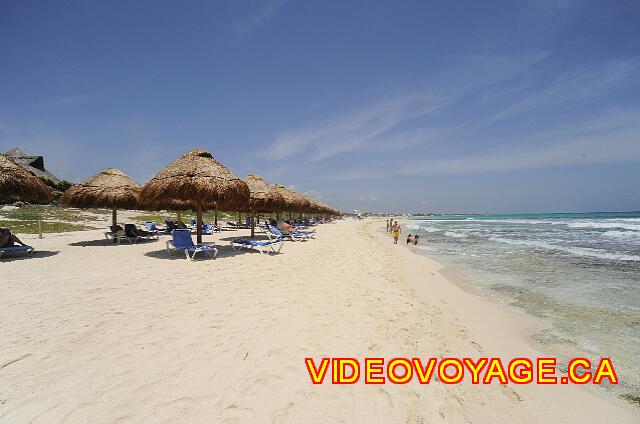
(291,236)
(210,229)
(261,246)
(150,236)
(151,226)
(182,241)
(206,228)
(16,249)
(119,233)
(237,226)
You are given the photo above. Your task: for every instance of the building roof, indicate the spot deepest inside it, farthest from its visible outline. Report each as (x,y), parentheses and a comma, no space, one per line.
(33,164)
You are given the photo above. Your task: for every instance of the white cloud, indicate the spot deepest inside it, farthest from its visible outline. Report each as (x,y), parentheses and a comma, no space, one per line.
(259,16)
(542,151)
(577,84)
(355,130)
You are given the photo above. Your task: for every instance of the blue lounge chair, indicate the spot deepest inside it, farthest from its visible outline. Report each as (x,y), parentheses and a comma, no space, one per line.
(128,231)
(291,236)
(210,229)
(16,249)
(182,241)
(117,233)
(259,245)
(151,226)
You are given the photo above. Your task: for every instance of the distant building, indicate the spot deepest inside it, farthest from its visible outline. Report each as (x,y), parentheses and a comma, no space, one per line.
(35,165)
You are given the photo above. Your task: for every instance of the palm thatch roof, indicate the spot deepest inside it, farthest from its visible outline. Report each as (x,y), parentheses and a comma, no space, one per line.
(111,189)
(195,180)
(16,183)
(294,202)
(263,198)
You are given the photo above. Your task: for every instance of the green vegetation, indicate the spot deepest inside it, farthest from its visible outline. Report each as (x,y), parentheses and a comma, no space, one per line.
(31,227)
(160,217)
(59,213)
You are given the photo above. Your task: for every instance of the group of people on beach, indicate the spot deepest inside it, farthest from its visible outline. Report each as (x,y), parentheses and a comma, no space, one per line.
(395,229)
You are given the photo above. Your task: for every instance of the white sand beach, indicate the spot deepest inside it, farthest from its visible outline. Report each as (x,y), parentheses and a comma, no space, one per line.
(91,332)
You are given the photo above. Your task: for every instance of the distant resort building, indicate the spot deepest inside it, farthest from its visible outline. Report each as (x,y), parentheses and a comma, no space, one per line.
(35,165)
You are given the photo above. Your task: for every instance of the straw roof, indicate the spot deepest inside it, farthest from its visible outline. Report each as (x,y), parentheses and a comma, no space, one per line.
(263,198)
(195,179)
(294,202)
(111,189)
(16,183)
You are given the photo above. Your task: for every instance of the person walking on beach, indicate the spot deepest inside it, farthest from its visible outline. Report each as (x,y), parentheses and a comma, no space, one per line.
(387,225)
(395,232)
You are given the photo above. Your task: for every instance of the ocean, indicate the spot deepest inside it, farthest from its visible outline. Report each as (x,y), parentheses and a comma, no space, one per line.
(579,272)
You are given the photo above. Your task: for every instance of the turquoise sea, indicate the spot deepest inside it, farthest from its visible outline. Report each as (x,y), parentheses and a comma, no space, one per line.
(579,272)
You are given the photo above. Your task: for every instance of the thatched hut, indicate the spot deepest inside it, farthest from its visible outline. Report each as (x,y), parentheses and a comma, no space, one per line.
(110,189)
(262,198)
(294,202)
(198,181)
(18,184)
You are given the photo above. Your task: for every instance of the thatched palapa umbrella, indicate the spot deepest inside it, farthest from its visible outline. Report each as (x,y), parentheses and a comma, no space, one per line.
(110,189)
(16,183)
(294,202)
(198,181)
(262,198)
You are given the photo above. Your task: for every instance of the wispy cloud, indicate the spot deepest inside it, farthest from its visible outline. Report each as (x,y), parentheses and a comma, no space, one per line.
(577,84)
(267,10)
(385,125)
(354,130)
(58,102)
(601,142)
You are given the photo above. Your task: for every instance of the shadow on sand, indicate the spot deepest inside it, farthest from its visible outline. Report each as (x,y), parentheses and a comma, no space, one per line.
(105,242)
(38,254)
(224,251)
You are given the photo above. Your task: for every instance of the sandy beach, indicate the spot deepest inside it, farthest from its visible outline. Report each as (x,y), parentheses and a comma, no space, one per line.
(92,332)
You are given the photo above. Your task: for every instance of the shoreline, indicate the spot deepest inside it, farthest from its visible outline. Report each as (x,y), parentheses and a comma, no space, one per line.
(515,326)
(97,332)
(536,325)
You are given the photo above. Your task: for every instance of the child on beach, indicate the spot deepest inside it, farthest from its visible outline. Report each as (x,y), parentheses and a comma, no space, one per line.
(415,240)
(410,239)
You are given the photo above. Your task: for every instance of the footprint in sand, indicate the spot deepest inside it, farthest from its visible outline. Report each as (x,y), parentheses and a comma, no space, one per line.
(510,393)
(233,414)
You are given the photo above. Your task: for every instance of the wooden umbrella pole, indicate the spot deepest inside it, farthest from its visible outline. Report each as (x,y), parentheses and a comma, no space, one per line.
(215,217)
(114,218)
(199,223)
(253,225)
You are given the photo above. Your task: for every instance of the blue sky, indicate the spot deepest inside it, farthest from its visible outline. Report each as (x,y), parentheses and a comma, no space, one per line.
(468,106)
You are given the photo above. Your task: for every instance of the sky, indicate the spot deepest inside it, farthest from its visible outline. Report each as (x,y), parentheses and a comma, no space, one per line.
(456,106)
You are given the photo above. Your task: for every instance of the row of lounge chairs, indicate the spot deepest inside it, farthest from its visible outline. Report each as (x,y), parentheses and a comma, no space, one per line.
(181,239)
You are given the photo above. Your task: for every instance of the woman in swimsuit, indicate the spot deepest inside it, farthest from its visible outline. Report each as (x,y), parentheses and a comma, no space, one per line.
(7,239)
